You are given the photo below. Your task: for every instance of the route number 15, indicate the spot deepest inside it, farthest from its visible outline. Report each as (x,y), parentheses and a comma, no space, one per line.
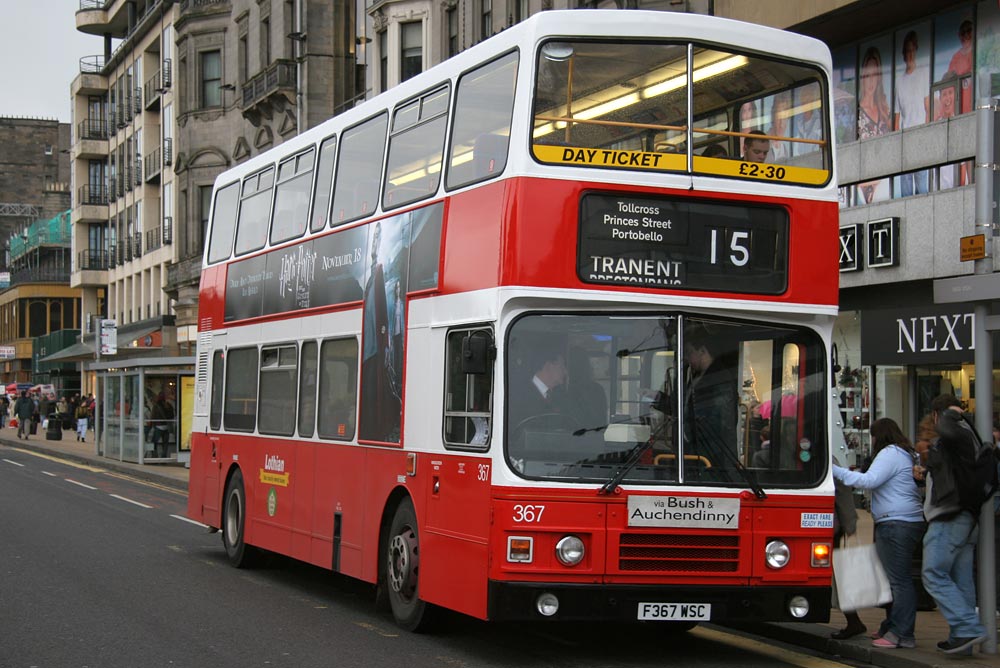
(739,245)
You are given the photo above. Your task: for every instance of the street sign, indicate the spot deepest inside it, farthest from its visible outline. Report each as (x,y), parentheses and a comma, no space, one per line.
(7,352)
(109,337)
(973,247)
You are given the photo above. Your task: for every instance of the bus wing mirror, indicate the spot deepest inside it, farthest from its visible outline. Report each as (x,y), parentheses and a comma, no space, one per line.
(477,353)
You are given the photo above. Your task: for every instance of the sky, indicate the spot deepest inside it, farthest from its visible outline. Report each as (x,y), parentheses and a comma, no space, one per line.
(40,49)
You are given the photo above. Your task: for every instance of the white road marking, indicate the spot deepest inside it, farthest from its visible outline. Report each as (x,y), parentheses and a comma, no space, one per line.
(51,474)
(11,461)
(185,519)
(79,483)
(122,498)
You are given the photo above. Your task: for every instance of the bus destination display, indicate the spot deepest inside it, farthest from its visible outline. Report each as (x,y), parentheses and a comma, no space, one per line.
(682,244)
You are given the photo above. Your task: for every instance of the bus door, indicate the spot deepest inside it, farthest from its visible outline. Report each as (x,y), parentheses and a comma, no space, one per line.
(458,500)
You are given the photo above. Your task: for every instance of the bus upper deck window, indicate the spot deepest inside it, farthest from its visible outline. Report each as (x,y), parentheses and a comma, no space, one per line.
(484,104)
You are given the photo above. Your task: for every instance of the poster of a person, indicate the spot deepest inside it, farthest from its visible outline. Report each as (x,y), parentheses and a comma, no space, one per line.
(384,320)
(873,106)
(954,53)
(912,106)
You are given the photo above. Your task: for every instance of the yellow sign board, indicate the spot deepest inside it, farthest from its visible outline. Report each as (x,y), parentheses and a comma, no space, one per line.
(972,247)
(272,478)
(677,162)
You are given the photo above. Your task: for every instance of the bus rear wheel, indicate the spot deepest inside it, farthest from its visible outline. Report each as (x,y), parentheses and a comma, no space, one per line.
(234,513)
(402,570)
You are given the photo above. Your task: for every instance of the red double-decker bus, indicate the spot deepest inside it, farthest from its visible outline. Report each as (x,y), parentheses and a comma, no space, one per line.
(540,334)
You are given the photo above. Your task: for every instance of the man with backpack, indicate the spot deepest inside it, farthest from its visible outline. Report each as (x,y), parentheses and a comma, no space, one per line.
(957,487)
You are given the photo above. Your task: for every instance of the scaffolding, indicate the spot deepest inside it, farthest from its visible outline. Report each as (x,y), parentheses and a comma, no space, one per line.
(55,231)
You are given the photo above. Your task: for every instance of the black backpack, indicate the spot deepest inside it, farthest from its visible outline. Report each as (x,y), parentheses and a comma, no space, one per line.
(976,477)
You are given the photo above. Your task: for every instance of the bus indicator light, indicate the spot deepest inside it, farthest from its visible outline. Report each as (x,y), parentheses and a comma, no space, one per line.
(821,555)
(519,549)
(411,464)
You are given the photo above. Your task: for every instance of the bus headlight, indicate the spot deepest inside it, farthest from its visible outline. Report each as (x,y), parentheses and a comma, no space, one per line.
(777,554)
(798,607)
(569,550)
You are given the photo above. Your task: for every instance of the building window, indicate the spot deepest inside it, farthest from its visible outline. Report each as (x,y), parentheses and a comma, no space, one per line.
(383,63)
(411,59)
(521,11)
(265,42)
(204,206)
(289,28)
(452,32)
(244,59)
(486,27)
(211,79)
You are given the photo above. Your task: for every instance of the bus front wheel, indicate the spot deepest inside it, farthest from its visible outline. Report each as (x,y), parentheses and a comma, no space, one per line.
(402,570)
(234,523)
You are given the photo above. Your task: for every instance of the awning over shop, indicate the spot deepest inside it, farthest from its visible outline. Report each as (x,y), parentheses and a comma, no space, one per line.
(78,352)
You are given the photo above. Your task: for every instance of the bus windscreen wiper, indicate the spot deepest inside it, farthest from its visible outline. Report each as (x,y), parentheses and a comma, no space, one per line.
(633,458)
(745,473)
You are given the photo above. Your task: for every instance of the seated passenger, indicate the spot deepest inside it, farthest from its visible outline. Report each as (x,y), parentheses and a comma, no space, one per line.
(756,148)
(717,150)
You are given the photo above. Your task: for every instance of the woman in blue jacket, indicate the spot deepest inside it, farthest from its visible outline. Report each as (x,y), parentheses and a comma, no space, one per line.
(899,525)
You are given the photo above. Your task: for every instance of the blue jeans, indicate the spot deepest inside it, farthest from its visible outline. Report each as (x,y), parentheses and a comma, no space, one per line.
(949,547)
(896,543)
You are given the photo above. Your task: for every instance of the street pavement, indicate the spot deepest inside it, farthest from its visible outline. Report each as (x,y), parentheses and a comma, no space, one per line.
(930,627)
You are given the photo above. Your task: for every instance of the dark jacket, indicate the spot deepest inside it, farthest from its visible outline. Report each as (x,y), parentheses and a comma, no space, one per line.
(955,445)
(24,408)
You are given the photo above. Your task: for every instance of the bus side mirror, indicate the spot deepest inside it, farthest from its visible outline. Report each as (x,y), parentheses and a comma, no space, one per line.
(476,354)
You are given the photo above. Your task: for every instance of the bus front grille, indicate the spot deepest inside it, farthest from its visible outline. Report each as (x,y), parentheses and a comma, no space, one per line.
(652,552)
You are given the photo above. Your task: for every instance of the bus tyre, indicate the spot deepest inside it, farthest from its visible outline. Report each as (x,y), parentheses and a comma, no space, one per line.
(234,523)
(402,570)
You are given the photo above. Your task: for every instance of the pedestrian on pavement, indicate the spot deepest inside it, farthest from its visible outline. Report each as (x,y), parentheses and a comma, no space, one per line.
(845,523)
(44,407)
(24,408)
(952,533)
(899,525)
(4,411)
(81,421)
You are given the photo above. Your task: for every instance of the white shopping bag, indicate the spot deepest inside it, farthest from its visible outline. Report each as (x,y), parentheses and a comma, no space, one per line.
(860,579)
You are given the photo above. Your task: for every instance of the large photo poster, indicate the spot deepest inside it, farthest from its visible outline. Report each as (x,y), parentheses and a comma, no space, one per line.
(383,330)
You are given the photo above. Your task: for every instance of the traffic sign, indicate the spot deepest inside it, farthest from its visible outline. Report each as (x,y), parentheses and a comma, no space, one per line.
(973,247)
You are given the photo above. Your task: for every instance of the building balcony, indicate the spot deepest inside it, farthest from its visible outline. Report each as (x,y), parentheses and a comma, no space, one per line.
(154,239)
(91,205)
(91,268)
(92,139)
(157,85)
(269,91)
(39,275)
(152,165)
(92,194)
(90,81)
